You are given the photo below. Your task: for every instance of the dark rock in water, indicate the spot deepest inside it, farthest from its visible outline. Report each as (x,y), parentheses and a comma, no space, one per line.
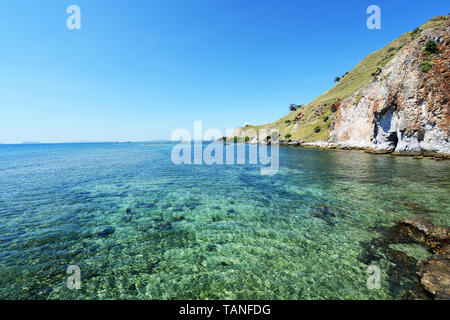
(153,264)
(231,211)
(132,288)
(442,296)
(402,269)
(144,205)
(325,214)
(434,274)
(191,206)
(191,203)
(414,295)
(94,248)
(128,211)
(424,232)
(163,226)
(416,207)
(224,264)
(216,208)
(106,232)
(379,151)
(176,219)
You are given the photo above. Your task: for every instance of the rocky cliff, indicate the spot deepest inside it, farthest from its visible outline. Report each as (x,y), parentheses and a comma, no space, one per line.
(396,99)
(406,107)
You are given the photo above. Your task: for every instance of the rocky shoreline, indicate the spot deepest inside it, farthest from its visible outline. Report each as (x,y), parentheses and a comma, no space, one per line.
(331,146)
(370,150)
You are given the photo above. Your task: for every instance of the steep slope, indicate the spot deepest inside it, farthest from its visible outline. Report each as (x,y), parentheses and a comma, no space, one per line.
(388,101)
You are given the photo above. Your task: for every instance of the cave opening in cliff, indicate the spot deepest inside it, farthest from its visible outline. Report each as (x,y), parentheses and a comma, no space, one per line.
(393,139)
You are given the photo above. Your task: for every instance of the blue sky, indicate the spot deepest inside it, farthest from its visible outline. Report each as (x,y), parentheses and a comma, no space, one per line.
(137,70)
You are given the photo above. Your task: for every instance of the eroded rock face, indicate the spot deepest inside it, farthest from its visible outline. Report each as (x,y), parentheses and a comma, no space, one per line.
(405,109)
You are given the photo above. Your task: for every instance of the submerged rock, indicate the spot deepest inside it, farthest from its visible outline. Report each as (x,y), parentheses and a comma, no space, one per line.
(106,232)
(401,269)
(163,226)
(177,219)
(434,273)
(413,250)
(325,214)
(416,207)
(376,151)
(422,231)
(144,205)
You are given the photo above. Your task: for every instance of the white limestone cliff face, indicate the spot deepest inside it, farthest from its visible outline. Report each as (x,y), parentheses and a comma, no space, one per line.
(404,109)
(239,132)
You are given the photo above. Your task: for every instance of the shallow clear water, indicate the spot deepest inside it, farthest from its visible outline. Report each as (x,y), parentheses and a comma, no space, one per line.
(204,232)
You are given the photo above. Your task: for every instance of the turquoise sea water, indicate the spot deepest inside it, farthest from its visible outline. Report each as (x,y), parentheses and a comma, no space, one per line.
(208,232)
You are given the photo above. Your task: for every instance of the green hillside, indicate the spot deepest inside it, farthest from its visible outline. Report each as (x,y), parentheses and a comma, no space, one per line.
(317,116)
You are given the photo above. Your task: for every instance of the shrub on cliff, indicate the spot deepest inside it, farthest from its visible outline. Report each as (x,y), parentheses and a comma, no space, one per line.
(391,49)
(293,107)
(431,48)
(247,139)
(415,32)
(235,139)
(335,106)
(288,136)
(317,129)
(426,66)
(377,72)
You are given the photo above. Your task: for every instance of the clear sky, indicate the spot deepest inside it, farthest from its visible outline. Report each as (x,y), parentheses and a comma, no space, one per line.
(139,69)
